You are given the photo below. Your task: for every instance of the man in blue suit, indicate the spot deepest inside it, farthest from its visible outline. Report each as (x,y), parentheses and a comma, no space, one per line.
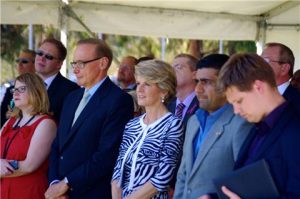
(281,59)
(91,128)
(250,86)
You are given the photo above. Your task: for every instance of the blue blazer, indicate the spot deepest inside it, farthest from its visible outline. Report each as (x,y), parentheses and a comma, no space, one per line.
(57,92)
(86,152)
(281,150)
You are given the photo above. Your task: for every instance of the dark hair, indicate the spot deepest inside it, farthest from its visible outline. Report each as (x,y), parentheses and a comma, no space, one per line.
(135,60)
(101,50)
(62,51)
(285,55)
(241,70)
(215,61)
(192,61)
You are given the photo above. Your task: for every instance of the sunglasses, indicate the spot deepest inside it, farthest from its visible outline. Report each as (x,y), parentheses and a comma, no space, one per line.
(47,56)
(21,89)
(23,60)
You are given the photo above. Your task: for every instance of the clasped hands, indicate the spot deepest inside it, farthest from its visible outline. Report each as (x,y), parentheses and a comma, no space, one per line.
(57,191)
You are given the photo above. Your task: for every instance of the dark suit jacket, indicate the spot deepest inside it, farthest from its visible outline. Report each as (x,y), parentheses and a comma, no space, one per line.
(5,103)
(190,111)
(57,92)
(292,95)
(86,152)
(281,150)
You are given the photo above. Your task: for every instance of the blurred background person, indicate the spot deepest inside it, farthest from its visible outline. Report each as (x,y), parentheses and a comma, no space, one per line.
(125,77)
(152,142)
(26,141)
(186,103)
(24,64)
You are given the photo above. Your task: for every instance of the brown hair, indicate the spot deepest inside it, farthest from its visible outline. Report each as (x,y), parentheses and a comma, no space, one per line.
(37,93)
(62,51)
(285,55)
(101,50)
(158,72)
(192,61)
(241,70)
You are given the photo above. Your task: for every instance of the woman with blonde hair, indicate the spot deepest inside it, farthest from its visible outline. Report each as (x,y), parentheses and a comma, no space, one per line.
(152,142)
(26,140)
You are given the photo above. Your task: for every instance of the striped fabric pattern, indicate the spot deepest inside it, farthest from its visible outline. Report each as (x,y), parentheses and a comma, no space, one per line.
(149,153)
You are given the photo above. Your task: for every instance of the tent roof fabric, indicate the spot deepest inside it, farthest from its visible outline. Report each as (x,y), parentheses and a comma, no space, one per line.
(197,19)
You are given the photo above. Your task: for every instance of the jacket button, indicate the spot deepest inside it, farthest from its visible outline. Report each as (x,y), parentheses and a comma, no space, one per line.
(61,157)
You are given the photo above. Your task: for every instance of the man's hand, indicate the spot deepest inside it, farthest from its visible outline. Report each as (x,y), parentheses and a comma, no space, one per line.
(57,190)
(204,197)
(229,193)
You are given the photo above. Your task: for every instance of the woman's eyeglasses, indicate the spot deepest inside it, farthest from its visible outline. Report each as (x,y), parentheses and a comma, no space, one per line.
(21,89)
(23,60)
(47,56)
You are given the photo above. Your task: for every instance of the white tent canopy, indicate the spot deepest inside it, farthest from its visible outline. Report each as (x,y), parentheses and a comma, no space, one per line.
(262,21)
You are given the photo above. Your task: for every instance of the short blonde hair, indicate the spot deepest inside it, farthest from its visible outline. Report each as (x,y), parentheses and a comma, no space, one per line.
(37,93)
(158,72)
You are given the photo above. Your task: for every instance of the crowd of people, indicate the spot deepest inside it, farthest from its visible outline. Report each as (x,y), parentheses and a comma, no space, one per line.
(158,131)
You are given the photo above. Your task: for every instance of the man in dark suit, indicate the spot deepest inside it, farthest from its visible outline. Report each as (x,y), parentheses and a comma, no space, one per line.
(250,87)
(91,128)
(49,59)
(281,59)
(186,103)
(25,64)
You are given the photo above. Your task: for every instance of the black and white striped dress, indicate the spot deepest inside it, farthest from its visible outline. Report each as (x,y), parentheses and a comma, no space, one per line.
(149,153)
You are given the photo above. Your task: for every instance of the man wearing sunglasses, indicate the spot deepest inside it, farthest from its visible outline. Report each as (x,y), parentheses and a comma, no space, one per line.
(281,59)
(24,64)
(48,61)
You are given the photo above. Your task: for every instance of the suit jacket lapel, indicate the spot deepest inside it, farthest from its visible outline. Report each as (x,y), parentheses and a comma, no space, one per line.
(54,84)
(193,132)
(89,108)
(213,135)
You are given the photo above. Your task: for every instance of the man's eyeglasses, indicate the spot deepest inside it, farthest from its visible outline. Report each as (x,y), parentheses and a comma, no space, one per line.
(21,89)
(23,60)
(47,56)
(270,60)
(81,64)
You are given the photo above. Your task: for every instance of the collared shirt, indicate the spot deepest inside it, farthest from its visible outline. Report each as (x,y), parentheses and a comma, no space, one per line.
(282,87)
(262,128)
(49,80)
(187,102)
(92,90)
(206,121)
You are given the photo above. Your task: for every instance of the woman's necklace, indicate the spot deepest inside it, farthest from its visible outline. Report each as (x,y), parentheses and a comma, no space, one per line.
(17,125)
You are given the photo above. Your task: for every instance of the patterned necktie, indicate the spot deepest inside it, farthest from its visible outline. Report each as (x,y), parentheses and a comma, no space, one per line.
(179,110)
(83,102)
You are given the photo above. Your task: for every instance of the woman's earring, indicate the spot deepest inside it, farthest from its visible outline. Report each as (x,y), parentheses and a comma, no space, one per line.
(12,104)
(163,99)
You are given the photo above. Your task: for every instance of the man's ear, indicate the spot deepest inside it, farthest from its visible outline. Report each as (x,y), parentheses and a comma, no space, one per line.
(285,68)
(104,63)
(258,86)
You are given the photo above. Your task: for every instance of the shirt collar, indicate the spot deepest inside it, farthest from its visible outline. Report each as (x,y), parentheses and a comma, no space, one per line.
(271,119)
(49,80)
(282,87)
(92,90)
(187,101)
